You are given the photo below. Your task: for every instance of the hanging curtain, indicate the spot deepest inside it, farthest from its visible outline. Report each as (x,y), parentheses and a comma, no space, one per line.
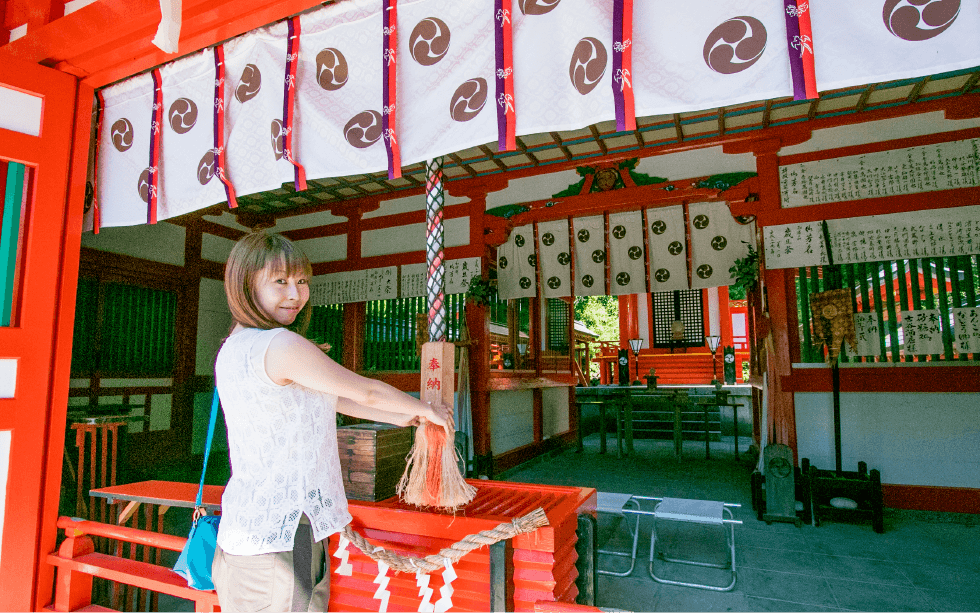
(717,240)
(554,258)
(516,265)
(590,256)
(627,272)
(668,253)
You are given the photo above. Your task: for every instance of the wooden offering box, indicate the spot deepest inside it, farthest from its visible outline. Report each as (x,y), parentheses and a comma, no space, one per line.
(372,459)
(510,576)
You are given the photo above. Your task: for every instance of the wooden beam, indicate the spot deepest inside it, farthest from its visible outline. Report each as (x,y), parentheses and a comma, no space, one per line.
(812,113)
(525,151)
(917,90)
(559,142)
(721,121)
(970,83)
(862,102)
(493,159)
(677,127)
(598,139)
(767,114)
(459,162)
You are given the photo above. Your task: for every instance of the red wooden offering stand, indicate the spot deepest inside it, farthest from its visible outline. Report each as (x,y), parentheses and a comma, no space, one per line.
(511,575)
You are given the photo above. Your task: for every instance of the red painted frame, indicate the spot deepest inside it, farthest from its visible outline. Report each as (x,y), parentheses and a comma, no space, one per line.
(41,340)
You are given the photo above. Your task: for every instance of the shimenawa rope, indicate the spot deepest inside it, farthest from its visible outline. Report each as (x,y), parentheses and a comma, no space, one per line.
(437,561)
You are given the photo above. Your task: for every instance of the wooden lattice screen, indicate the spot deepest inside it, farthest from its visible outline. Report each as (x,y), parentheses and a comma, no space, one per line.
(682,305)
(390,329)
(885,289)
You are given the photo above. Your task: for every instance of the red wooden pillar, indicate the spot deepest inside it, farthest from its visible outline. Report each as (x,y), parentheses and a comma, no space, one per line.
(782,412)
(725,314)
(778,296)
(40,339)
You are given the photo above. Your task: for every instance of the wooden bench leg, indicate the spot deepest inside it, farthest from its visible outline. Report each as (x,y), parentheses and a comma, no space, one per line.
(73,589)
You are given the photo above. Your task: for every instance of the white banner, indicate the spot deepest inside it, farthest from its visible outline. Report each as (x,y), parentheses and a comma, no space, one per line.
(590,256)
(627,270)
(338,91)
(717,240)
(921,333)
(336,288)
(255,72)
(932,233)
(668,254)
(515,265)
(562,64)
(124,157)
(967,329)
(554,258)
(382,283)
(794,245)
(459,273)
(867,42)
(446,77)
(189,178)
(688,56)
(413,277)
(700,54)
(866,329)
(913,170)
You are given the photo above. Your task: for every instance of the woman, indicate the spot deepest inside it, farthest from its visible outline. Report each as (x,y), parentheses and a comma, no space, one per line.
(280,393)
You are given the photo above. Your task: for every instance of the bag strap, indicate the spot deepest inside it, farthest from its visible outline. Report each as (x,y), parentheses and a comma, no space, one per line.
(207,446)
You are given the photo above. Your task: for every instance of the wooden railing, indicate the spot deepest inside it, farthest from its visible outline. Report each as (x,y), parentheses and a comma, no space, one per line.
(78,564)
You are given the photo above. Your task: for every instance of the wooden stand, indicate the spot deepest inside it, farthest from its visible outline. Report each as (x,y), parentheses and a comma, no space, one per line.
(372,459)
(862,487)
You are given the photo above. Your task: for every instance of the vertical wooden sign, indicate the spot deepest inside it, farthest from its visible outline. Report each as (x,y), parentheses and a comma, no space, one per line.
(438,372)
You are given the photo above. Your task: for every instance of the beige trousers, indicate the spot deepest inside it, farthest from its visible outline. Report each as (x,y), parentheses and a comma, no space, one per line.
(297,580)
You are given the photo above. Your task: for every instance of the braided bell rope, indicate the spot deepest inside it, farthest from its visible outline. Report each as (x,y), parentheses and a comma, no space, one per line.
(434,249)
(437,561)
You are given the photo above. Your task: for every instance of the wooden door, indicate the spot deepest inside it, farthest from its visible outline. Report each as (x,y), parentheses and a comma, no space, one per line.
(38,296)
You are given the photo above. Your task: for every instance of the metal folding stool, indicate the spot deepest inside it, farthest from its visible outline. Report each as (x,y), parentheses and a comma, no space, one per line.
(707,512)
(616,504)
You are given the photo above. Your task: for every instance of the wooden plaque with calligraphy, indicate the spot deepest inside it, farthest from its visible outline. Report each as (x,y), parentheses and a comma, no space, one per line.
(438,372)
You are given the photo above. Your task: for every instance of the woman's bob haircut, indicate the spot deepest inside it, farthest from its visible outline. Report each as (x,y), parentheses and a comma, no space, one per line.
(248,258)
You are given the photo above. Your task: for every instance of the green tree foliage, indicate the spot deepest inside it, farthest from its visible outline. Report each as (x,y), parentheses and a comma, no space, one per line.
(601,315)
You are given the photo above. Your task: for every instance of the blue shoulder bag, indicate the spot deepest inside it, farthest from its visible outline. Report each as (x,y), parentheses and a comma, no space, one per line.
(194,563)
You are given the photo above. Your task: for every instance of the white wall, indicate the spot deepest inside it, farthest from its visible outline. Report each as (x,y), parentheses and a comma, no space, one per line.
(4,466)
(912,438)
(554,418)
(695,163)
(409,238)
(511,420)
(215,248)
(879,131)
(162,242)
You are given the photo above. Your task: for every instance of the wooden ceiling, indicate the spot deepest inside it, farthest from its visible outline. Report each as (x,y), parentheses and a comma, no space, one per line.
(556,151)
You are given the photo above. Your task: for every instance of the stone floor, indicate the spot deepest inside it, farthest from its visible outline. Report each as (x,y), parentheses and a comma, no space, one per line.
(923,562)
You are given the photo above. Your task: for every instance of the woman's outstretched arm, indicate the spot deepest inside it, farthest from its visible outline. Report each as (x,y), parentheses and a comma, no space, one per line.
(293,359)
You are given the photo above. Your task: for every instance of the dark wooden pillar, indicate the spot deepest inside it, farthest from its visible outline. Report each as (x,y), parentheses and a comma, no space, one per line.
(185,354)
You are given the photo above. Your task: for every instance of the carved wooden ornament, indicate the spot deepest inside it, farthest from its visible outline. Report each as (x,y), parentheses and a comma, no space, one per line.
(833,320)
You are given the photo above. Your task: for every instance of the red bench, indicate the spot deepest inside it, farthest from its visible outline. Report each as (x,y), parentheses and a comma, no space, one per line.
(77,563)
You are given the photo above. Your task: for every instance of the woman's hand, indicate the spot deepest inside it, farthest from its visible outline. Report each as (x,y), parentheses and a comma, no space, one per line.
(441,415)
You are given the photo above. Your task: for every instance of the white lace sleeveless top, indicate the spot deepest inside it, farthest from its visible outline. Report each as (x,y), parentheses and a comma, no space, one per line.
(283,445)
